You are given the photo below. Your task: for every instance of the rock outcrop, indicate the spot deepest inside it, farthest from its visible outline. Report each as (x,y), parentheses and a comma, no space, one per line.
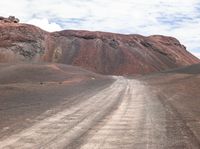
(10,19)
(21,42)
(105,53)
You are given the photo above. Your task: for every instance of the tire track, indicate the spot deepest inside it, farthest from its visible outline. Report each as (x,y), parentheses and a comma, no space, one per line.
(117,131)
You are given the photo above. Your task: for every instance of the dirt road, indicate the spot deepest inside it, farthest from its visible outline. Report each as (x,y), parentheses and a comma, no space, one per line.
(125,115)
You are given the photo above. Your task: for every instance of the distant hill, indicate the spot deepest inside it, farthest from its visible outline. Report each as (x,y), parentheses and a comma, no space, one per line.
(105,53)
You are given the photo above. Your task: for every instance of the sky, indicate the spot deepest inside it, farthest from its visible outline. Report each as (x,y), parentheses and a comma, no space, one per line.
(177,18)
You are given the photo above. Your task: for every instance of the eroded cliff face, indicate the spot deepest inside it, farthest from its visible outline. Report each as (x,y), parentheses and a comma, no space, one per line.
(117,54)
(21,42)
(105,53)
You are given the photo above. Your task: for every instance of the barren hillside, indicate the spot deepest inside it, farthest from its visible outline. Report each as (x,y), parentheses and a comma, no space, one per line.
(105,53)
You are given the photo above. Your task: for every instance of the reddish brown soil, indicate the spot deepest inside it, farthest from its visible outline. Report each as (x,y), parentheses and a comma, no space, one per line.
(156,111)
(105,53)
(28,90)
(179,89)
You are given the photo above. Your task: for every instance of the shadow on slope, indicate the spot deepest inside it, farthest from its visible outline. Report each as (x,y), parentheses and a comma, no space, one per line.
(193,69)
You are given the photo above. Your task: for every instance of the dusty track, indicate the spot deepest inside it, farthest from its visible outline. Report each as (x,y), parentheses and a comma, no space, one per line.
(124,115)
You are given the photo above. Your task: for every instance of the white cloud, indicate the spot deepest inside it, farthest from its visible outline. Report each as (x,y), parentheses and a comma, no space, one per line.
(196,54)
(11,7)
(178,18)
(45,24)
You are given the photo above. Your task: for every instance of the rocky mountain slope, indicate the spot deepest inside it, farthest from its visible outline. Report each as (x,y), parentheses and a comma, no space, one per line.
(105,53)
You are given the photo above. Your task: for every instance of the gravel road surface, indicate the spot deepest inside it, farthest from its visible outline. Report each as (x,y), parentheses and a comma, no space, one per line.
(124,115)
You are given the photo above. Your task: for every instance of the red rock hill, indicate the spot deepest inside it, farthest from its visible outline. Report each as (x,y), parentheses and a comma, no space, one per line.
(105,53)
